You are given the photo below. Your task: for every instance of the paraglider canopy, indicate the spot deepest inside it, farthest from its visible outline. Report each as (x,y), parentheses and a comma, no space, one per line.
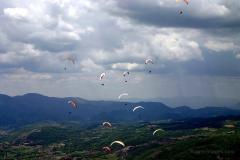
(118,142)
(68,58)
(73,103)
(147,61)
(158,130)
(102,75)
(107,124)
(138,107)
(186,1)
(71,59)
(122,95)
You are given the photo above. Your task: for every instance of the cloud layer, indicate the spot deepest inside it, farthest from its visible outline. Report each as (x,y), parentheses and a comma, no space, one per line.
(113,36)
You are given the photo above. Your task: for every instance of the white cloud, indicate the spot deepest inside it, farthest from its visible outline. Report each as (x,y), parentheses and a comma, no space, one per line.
(24,75)
(208,9)
(90,66)
(219,46)
(160,44)
(174,46)
(21,53)
(124,23)
(48,24)
(125,66)
(17,13)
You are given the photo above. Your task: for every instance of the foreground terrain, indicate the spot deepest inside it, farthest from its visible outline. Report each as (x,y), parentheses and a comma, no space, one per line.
(213,139)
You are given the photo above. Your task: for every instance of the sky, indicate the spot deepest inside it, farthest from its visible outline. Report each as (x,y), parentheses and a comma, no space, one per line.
(196,54)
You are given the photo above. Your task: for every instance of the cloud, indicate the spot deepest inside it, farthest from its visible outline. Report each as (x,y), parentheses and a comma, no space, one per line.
(23,52)
(238,56)
(113,36)
(198,14)
(90,66)
(26,75)
(125,66)
(219,46)
(162,45)
(48,25)
(175,47)
(17,13)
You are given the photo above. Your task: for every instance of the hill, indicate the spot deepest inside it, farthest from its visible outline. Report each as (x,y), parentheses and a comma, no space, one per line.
(31,108)
(193,139)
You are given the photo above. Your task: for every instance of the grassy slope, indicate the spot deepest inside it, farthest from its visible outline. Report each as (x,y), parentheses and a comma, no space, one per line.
(86,143)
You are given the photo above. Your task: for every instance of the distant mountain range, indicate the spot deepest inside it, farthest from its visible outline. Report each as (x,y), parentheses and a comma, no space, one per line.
(195,101)
(31,108)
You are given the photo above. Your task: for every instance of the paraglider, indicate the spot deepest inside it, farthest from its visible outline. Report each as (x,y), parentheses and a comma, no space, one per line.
(158,130)
(70,59)
(122,95)
(149,61)
(101,77)
(73,103)
(181,11)
(186,1)
(138,107)
(118,142)
(125,74)
(107,149)
(107,124)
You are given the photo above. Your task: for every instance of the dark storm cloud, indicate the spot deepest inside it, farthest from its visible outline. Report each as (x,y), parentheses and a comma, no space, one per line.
(151,13)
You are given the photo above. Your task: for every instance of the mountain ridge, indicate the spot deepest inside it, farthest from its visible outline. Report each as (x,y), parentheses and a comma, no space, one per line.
(32,107)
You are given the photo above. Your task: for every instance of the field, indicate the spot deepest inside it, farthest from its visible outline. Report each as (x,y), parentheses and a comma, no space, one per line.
(212,139)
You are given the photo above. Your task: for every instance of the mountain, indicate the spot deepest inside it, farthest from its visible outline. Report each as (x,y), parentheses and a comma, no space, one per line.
(194,101)
(31,108)
(236,106)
